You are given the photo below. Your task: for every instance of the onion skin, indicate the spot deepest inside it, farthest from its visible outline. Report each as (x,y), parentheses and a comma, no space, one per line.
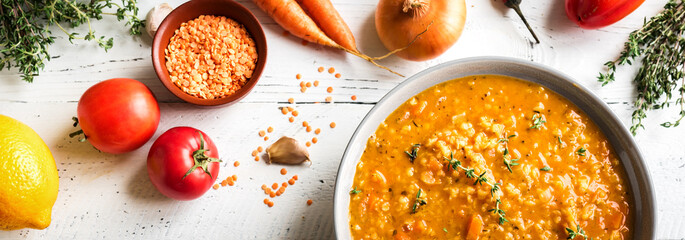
(397,28)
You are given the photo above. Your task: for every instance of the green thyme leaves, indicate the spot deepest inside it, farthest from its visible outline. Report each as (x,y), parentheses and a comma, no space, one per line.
(579,232)
(413,153)
(538,121)
(418,202)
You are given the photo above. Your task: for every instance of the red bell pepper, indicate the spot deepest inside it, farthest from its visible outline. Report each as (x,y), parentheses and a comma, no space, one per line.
(592,14)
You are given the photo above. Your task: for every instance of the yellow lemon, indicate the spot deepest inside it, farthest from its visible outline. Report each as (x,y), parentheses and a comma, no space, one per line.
(28,177)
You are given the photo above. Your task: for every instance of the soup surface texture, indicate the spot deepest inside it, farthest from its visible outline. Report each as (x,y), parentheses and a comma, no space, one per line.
(489,157)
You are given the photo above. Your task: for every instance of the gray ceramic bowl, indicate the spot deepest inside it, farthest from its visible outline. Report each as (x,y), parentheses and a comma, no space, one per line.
(628,152)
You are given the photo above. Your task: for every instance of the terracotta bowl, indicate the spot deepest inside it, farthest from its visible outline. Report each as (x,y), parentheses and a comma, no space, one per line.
(191,10)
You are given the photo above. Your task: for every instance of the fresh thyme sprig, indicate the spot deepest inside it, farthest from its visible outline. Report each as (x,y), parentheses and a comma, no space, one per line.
(506,139)
(414,152)
(538,120)
(355,191)
(499,212)
(508,162)
(418,202)
(581,151)
(480,179)
(579,232)
(661,44)
(25,34)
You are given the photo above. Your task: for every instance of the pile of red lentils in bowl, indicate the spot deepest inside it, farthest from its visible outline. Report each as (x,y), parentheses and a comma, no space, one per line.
(210,57)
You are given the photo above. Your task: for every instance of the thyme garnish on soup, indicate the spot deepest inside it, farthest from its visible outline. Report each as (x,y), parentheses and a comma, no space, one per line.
(414,151)
(538,120)
(480,179)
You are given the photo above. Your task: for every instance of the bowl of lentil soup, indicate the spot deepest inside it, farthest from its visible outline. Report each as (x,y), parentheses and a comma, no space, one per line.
(209,52)
(492,148)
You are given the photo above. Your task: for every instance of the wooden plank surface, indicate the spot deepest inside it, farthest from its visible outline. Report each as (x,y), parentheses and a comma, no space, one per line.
(109,196)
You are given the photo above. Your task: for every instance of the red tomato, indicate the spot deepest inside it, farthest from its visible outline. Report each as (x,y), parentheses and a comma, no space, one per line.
(592,14)
(183,163)
(118,115)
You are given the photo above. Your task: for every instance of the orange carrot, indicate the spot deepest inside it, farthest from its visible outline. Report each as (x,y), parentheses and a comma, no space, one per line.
(330,21)
(475,228)
(292,17)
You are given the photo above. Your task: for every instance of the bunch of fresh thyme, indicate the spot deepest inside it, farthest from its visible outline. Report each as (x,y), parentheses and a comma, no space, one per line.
(25,34)
(661,43)
(480,179)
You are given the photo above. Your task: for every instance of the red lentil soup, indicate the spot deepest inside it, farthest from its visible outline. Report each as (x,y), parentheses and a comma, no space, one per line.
(489,157)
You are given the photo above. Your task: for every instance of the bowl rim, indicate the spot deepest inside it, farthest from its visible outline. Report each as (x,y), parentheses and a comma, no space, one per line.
(256,32)
(637,173)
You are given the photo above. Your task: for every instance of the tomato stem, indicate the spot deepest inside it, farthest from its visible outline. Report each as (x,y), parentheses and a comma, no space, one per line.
(79,132)
(201,159)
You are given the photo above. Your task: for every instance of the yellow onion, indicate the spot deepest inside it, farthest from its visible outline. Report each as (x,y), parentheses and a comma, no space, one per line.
(398,22)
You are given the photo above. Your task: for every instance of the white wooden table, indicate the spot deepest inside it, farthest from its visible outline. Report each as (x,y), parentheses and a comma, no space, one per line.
(109,196)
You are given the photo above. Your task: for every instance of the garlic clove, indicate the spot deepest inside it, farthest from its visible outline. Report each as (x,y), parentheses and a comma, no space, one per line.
(155,17)
(287,150)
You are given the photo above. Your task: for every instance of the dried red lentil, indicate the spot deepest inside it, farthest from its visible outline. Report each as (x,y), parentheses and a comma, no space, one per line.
(210,57)
(332,124)
(270,129)
(317,131)
(321,69)
(236,164)
(284,171)
(309,84)
(354,97)
(298,76)
(316,83)
(291,100)
(337,75)
(329,89)
(331,70)
(309,202)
